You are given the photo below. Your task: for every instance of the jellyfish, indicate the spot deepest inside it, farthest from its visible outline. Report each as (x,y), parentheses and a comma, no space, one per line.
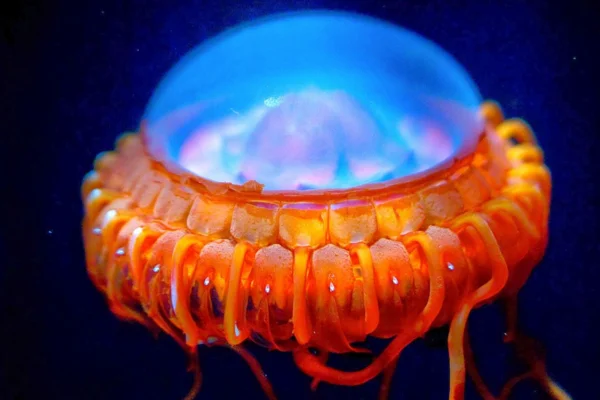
(310,180)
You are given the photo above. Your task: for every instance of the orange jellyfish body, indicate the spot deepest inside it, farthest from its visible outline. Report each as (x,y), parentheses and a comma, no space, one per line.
(220,264)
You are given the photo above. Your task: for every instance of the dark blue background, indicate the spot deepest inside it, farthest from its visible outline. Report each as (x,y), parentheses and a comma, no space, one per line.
(77,74)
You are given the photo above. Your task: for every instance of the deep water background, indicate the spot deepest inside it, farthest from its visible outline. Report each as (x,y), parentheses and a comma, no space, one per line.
(77,74)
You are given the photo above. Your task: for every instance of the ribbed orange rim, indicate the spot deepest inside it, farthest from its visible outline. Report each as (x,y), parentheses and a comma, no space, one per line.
(218,264)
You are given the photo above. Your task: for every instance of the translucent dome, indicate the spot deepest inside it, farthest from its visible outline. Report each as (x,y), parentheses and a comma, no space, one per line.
(313,100)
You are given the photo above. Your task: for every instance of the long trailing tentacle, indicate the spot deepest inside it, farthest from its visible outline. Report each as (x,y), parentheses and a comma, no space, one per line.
(195,368)
(386,382)
(257,370)
(531,353)
(485,292)
(474,374)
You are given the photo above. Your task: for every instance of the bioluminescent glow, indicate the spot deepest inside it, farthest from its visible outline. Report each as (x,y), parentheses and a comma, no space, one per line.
(313,101)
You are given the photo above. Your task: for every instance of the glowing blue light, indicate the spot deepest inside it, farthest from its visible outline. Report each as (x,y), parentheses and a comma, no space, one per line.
(313,100)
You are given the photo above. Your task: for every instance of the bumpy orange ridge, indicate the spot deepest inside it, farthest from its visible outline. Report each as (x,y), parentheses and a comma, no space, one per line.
(217,264)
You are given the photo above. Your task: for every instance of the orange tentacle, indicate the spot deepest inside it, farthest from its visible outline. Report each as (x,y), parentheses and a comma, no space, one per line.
(184,254)
(312,366)
(386,382)
(234,319)
(480,385)
(300,315)
(370,298)
(197,371)
(488,290)
(531,352)
(257,370)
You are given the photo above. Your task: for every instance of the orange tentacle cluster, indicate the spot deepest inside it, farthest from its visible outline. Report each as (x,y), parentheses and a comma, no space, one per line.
(218,264)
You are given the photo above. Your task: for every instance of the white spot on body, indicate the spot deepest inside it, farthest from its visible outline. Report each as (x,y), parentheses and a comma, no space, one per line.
(394,280)
(94,194)
(267,289)
(450,266)
(236,329)
(156,268)
(120,251)
(173,294)
(110,214)
(90,175)
(206,281)
(331,287)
